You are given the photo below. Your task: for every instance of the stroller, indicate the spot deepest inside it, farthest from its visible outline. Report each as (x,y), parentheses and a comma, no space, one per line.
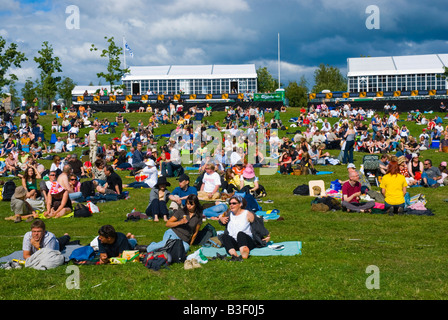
(371,165)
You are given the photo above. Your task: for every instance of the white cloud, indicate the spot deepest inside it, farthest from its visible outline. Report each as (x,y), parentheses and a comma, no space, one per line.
(288,71)
(225,6)
(9,5)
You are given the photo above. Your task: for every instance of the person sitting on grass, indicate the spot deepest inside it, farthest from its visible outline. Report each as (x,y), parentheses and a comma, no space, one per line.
(239,232)
(111,243)
(58,202)
(21,208)
(393,187)
(158,199)
(351,191)
(184,224)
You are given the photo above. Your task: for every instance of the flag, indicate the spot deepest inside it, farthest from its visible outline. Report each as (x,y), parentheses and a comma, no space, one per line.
(126,46)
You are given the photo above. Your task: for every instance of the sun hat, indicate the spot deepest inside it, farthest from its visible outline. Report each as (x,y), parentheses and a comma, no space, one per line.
(162,180)
(20,192)
(56,188)
(248,172)
(150,163)
(401,159)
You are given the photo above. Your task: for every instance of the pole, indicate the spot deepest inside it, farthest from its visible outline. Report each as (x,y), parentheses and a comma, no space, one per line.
(279,60)
(124,53)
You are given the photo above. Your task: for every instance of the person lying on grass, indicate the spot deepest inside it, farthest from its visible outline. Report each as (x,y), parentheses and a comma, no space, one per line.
(111,243)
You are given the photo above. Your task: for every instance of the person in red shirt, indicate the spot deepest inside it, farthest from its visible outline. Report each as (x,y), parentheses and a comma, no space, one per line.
(351,192)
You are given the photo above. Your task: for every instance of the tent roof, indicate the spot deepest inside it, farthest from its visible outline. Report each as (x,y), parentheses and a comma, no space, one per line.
(191,72)
(394,65)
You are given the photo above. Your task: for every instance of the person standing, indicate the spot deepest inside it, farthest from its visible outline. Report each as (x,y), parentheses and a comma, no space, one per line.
(93,143)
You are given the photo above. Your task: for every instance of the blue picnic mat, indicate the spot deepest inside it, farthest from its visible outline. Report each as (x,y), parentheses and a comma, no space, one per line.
(292,248)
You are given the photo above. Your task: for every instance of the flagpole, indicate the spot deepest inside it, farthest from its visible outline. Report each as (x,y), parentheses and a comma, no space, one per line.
(124,53)
(279,60)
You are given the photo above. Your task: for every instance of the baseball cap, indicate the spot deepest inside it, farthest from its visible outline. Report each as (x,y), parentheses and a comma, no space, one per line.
(351,165)
(183,177)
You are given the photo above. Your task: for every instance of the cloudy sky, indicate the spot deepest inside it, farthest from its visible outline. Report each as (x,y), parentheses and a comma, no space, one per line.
(188,32)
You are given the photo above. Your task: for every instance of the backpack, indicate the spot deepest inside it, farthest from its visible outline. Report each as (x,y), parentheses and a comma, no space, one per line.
(156,261)
(81,211)
(205,234)
(175,248)
(8,190)
(82,254)
(302,190)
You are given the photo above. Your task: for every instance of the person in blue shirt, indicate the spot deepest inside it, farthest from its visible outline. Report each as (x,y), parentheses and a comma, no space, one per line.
(180,194)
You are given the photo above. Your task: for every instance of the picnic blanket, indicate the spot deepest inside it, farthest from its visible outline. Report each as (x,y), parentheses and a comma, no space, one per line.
(292,248)
(19,254)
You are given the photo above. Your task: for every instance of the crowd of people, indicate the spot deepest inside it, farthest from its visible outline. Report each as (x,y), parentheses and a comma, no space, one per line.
(225,168)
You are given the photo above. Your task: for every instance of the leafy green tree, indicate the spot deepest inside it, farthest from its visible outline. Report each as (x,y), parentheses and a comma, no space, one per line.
(29,91)
(329,78)
(9,57)
(14,95)
(48,64)
(266,82)
(114,70)
(297,93)
(65,88)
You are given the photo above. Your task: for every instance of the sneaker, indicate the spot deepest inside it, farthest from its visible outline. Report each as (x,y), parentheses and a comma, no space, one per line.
(400,210)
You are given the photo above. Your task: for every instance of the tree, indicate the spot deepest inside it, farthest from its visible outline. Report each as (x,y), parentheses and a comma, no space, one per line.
(15,101)
(48,64)
(65,88)
(297,93)
(329,78)
(9,57)
(29,91)
(114,70)
(266,82)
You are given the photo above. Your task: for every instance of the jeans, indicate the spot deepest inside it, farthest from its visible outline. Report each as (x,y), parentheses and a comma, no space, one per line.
(348,152)
(157,208)
(215,211)
(395,206)
(429,181)
(169,234)
(75,195)
(138,185)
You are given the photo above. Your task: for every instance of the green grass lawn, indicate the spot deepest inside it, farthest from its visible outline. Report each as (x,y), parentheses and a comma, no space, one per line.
(337,248)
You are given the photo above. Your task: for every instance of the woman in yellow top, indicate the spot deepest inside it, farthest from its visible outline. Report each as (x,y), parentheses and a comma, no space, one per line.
(231,181)
(393,186)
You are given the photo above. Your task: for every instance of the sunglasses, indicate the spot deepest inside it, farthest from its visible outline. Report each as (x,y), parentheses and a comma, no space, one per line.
(231,203)
(73,179)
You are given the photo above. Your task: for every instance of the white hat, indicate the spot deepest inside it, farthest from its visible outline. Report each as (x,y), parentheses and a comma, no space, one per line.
(351,165)
(150,163)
